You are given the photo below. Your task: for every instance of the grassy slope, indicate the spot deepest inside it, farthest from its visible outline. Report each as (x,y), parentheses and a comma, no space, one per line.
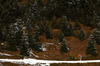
(53,51)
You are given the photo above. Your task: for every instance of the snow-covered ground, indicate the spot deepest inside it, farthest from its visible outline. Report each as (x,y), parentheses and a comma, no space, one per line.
(36,62)
(44,62)
(4,54)
(32,54)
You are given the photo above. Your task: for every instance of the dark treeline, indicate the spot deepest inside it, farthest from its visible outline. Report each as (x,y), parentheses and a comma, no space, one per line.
(86,11)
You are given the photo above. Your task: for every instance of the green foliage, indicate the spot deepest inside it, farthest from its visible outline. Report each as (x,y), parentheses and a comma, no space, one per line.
(33,43)
(82,34)
(64,47)
(24,50)
(54,22)
(91,48)
(61,37)
(77,26)
(48,33)
(97,36)
(3,33)
(11,38)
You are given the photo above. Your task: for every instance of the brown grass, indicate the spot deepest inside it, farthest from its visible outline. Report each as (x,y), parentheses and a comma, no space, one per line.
(53,51)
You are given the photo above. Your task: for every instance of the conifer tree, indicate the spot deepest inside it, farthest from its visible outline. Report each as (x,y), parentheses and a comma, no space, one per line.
(63,24)
(98,25)
(24,50)
(64,47)
(35,10)
(71,29)
(82,34)
(9,11)
(11,38)
(51,8)
(64,27)
(41,25)
(36,36)
(97,36)
(3,33)
(18,38)
(61,37)
(68,30)
(77,26)
(33,43)
(54,22)
(37,31)
(91,48)
(49,34)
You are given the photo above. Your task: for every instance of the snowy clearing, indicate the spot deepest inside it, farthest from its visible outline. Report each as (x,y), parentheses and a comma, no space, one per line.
(44,62)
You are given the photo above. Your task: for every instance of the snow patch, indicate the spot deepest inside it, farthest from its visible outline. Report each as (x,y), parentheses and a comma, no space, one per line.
(4,54)
(32,54)
(44,49)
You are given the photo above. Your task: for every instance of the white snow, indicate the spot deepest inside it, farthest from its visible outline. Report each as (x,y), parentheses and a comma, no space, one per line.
(47,43)
(43,48)
(32,54)
(24,28)
(4,54)
(2,43)
(44,62)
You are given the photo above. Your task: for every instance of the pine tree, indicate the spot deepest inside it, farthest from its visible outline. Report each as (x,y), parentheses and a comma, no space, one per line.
(64,47)
(24,50)
(91,48)
(77,26)
(35,10)
(33,43)
(64,27)
(37,31)
(51,8)
(36,37)
(63,24)
(11,38)
(61,37)
(18,38)
(68,30)
(71,29)
(97,36)
(98,25)
(41,25)
(3,33)
(37,47)
(49,34)
(54,23)
(82,34)
(9,11)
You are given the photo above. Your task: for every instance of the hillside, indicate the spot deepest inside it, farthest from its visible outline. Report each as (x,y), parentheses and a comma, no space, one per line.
(50,29)
(77,47)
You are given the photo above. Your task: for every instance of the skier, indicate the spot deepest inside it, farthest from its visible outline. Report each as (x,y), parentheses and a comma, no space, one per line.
(80,57)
